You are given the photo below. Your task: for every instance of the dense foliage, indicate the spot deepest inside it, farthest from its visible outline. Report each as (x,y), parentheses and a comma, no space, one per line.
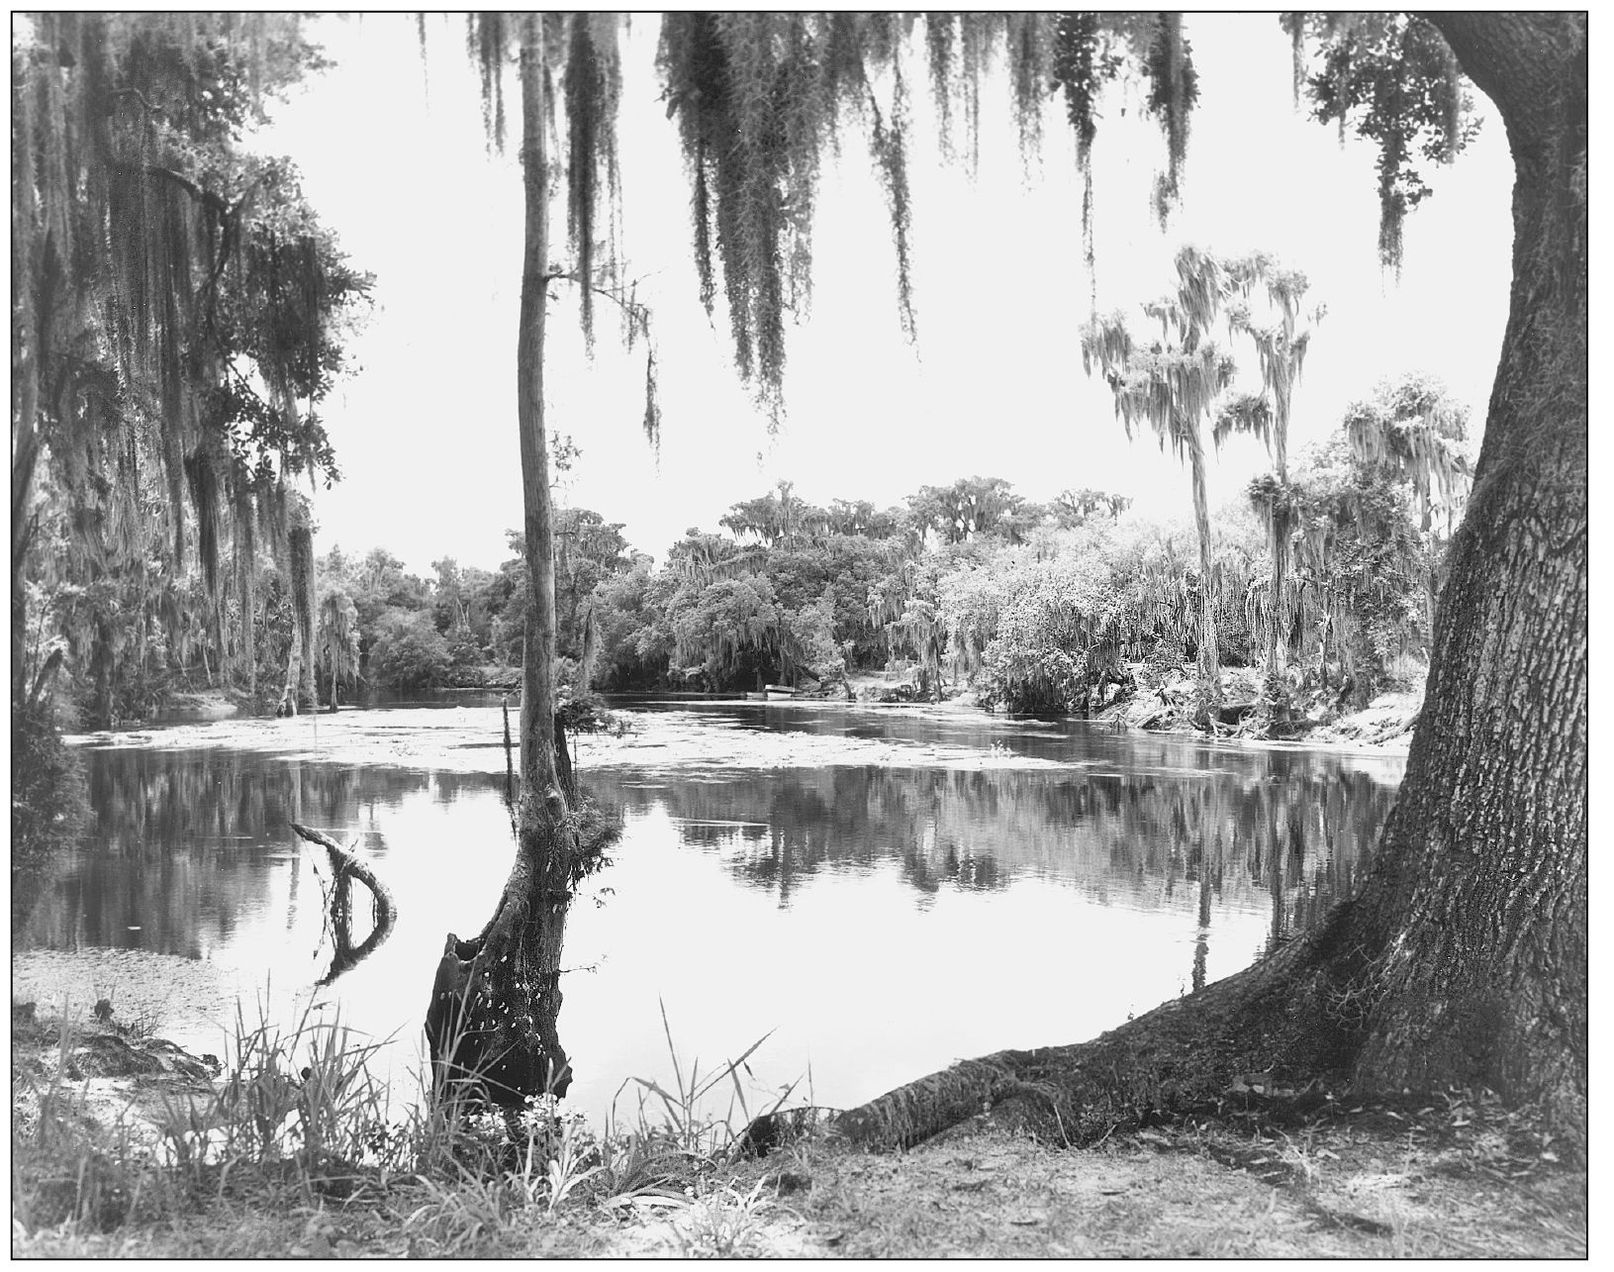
(178,316)
(1040,608)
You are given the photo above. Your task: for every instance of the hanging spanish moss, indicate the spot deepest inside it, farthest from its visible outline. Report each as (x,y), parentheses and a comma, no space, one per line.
(743,88)
(975,40)
(1294,25)
(166,350)
(889,143)
(1243,413)
(1174,88)
(488,42)
(758,96)
(204,490)
(581,53)
(1029,44)
(593,85)
(652,400)
(1394,80)
(1171,386)
(244,544)
(1079,71)
(1412,428)
(941,50)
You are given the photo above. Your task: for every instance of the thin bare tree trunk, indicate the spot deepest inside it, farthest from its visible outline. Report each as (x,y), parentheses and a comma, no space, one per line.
(1210,688)
(249,627)
(294,669)
(24,457)
(496,998)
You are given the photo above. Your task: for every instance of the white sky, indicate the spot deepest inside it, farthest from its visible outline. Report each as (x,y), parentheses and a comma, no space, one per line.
(393,157)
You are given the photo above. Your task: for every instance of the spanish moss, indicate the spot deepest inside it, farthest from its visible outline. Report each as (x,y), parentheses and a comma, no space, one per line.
(1174,88)
(593,85)
(1393,79)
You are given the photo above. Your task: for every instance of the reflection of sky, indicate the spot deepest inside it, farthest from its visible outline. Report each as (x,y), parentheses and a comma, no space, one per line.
(885,921)
(861,986)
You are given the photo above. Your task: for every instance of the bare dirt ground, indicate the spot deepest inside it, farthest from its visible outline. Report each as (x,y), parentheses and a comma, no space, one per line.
(1161,1194)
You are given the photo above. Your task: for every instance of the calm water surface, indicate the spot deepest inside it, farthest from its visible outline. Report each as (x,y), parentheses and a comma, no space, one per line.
(886,890)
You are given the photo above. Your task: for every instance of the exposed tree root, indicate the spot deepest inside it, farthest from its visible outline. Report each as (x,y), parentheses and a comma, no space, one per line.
(1285,1022)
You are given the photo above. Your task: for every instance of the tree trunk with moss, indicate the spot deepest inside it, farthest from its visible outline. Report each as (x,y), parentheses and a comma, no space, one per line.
(1462,959)
(1208,696)
(300,692)
(496,998)
(1274,702)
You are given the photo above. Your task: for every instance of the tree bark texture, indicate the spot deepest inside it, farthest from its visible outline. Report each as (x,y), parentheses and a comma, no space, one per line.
(491,1025)
(1462,958)
(496,998)
(24,421)
(249,625)
(1274,703)
(25,452)
(1210,672)
(1479,898)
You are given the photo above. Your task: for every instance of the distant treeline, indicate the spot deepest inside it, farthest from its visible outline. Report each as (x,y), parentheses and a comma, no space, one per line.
(1040,607)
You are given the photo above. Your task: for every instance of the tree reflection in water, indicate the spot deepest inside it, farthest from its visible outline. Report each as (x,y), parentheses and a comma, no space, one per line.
(184,844)
(188,844)
(1297,832)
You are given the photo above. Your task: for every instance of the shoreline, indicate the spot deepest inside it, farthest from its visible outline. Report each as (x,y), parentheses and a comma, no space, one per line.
(1351,1178)
(1264,1178)
(1391,715)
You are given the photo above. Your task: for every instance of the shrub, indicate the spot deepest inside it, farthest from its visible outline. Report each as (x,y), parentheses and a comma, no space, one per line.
(1053,642)
(409,652)
(48,804)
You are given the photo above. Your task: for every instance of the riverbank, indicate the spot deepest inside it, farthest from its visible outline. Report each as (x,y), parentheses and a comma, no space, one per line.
(1453,1177)
(1385,724)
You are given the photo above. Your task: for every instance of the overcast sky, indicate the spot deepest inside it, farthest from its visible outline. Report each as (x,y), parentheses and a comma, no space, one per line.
(393,157)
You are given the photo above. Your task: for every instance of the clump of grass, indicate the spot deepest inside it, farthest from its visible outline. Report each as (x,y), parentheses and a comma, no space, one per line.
(300,1119)
(67,1170)
(693,1130)
(304,1100)
(673,1152)
(726,1223)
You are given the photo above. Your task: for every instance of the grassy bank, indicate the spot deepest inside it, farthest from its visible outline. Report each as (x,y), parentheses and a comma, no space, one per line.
(125,1146)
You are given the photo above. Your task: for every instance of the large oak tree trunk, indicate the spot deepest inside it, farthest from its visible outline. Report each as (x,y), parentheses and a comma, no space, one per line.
(1463,957)
(1479,901)
(496,998)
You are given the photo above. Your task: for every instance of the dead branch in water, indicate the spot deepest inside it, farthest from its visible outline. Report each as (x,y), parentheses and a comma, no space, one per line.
(345,867)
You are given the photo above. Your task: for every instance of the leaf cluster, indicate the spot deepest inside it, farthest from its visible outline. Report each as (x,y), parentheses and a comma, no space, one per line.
(1395,81)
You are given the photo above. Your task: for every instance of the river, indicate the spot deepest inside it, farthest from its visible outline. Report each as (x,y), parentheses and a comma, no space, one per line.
(880,891)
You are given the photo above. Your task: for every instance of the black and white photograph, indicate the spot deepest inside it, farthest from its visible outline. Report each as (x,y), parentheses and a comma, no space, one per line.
(799,635)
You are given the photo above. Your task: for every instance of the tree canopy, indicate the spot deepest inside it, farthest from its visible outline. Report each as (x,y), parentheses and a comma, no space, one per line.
(178,311)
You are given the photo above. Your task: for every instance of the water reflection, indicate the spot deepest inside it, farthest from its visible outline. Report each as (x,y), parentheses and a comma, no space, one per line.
(1129,839)
(187,844)
(839,903)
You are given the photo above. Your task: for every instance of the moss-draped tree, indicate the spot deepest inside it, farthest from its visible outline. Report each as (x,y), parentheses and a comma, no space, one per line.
(492,1022)
(1462,956)
(176,315)
(1172,385)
